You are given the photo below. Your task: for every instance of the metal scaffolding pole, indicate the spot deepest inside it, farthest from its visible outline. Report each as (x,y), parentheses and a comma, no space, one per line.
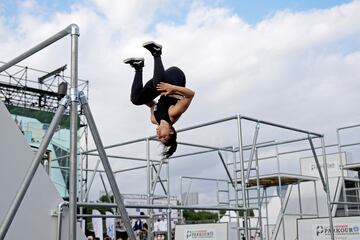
(327,189)
(236,193)
(243,183)
(73,132)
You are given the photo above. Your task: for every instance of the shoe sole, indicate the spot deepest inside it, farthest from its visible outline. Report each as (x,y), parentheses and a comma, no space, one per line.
(128,60)
(152,43)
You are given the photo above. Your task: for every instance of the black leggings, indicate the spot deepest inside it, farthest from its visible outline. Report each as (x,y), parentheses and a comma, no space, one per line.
(144,94)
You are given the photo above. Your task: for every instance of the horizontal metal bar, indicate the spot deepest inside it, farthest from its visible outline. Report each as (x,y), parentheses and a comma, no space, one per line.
(204,146)
(134,168)
(212,149)
(192,154)
(352,189)
(352,126)
(284,142)
(117,145)
(111,205)
(206,179)
(38,47)
(85,170)
(124,157)
(350,144)
(109,216)
(248,228)
(281,126)
(207,124)
(346,203)
(303,214)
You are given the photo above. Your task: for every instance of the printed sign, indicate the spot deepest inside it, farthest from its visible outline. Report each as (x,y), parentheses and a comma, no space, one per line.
(216,231)
(200,234)
(345,228)
(349,231)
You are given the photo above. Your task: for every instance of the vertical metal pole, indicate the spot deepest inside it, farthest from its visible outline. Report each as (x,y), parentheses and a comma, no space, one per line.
(346,207)
(267,215)
(327,189)
(81,191)
(168,199)
(148,187)
(188,193)
(280,186)
(258,193)
(236,196)
(252,152)
(5,224)
(181,202)
(316,200)
(300,206)
(73,132)
(243,183)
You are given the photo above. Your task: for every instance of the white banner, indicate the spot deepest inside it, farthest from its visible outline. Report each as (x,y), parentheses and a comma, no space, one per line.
(97,225)
(215,231)
(345,228)
(110,226)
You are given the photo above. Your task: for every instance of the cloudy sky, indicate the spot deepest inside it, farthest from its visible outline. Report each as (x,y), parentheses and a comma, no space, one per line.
(290,62)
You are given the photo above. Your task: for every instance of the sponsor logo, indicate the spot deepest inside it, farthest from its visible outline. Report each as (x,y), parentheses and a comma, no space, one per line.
(339,230)
(200,234)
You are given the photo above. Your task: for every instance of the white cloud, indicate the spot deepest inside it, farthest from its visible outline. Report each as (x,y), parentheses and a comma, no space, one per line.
(298,69)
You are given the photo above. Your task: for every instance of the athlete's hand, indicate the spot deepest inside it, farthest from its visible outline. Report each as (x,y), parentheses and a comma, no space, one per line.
(165,88)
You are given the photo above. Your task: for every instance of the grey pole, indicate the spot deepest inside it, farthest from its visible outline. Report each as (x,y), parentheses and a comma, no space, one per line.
(109,173)
(258,193)
(316,200)
(226,169)
(181,202)
(148,180)
(252,152)
(60,212)
(168,200)
(5,225)
(342,174)
(317,163)
(327,190)
(267,215)
(105,188)
(300,205)
(279,187)
(236,193)
(73,132)
(243,183)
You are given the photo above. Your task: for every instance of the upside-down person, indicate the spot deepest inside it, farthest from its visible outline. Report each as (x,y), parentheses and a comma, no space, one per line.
(174,99)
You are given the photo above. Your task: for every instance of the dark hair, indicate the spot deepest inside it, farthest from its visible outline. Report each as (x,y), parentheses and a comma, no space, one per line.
(171,144)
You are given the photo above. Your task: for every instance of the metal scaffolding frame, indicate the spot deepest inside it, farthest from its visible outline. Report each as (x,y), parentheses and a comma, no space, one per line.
(239,179)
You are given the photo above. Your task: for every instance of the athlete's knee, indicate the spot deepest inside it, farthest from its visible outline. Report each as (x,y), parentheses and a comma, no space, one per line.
(135,100)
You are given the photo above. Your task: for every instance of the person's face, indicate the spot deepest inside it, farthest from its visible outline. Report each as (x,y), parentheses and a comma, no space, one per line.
(163,133)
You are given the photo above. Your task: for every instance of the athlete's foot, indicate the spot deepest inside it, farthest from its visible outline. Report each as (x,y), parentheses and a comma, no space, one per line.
(137,63)
(153,47)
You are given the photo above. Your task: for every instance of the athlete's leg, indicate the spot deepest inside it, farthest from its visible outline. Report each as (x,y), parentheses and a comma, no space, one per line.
(140,94)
